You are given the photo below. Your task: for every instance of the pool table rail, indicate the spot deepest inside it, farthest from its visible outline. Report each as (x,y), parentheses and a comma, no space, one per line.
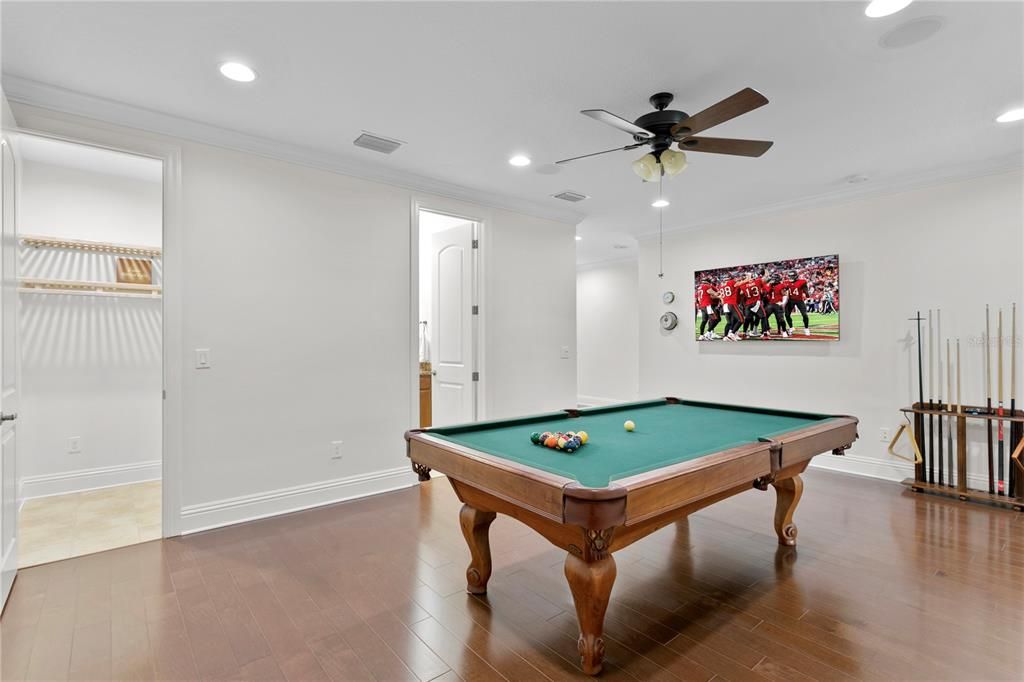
(637,498)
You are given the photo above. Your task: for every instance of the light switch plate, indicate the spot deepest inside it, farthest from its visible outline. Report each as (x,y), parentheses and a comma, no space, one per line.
(202,358)
(565,353)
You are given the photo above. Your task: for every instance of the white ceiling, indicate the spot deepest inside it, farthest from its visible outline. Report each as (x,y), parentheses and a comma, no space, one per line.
(92,159)
(468,84)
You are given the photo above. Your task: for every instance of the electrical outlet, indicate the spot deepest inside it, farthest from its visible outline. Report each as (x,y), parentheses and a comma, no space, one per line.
(883,435)
(565,353)
(74,445)
(336,449)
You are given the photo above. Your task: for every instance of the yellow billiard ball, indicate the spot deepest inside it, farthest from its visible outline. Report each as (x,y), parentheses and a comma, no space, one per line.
(582,435)
(629,425)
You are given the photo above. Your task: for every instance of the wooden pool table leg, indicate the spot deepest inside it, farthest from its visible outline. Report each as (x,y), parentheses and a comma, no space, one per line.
(475,525)
(787,496)
(591,577)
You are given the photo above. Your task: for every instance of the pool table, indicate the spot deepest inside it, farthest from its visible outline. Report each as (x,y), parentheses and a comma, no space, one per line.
(621,486)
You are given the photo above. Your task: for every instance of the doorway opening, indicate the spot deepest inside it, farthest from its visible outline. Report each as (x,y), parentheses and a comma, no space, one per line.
(449,320)
(90,430)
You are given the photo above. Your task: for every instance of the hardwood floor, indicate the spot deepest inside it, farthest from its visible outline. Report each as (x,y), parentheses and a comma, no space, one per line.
(884,585)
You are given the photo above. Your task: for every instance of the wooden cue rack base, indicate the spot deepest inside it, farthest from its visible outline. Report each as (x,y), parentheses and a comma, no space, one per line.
(960,491)
(967,495)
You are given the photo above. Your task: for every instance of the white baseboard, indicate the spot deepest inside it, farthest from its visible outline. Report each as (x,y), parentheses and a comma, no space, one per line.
(597,401)
(88,479)
(199,517)
(865,466)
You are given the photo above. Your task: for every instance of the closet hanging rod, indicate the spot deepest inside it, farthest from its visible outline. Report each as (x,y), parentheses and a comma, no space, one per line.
(38,241)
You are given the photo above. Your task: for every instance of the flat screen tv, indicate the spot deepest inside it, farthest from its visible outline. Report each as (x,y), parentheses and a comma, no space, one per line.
(795,300)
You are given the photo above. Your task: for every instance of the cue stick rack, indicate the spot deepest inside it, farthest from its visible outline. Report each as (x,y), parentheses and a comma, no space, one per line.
(923,415)
(959,490)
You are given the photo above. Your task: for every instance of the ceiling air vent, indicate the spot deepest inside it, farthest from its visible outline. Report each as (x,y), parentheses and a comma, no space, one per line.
(570,196)
(384,145)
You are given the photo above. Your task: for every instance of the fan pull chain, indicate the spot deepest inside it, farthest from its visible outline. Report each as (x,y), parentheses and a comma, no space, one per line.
(661,220)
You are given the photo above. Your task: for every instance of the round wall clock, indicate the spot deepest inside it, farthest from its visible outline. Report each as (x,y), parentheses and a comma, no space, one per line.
(669,321)
(668,297)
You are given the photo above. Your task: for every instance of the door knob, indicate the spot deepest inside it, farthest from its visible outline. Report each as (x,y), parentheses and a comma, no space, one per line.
(4,417)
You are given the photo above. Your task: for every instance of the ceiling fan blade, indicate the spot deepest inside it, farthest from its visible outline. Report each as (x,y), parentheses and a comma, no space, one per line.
(606,151)
(616,122)
(744,101)
(723,145)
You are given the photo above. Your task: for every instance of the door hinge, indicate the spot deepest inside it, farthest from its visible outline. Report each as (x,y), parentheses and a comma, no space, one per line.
(476,243)
(476,310)
(476,376)
(165,394)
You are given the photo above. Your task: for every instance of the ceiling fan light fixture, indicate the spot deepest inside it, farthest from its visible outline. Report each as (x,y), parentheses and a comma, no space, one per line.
(673,162)
(883,8)
(647,168)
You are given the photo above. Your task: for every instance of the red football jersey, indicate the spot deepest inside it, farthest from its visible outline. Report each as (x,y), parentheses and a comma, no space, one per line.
(703,297)
(778,292)
(798,290)
(729,292)
(753,290)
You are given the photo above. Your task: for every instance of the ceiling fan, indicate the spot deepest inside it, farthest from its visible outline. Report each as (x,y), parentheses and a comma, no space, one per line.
(661,128)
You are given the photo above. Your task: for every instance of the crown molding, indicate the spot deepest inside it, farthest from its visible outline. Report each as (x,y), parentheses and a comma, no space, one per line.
(1009,163)
(46,96)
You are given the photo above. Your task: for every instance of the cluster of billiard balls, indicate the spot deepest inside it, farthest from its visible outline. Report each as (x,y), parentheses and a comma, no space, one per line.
(568,442)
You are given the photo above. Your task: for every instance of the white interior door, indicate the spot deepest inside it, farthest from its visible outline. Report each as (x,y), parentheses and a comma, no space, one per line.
(8,377)
(453,396)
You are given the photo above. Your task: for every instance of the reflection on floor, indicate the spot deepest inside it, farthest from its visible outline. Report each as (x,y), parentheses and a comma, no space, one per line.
(62,526)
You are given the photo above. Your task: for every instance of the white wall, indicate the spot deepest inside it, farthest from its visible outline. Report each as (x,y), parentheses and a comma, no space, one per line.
(298,280)
(956,246)
(90,366)
(608,335)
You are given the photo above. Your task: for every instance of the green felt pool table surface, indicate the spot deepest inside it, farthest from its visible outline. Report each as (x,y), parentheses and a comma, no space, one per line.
(666,433)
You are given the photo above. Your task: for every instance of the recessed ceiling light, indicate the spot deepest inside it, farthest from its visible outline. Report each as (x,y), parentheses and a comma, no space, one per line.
(237,72)
(911,32)
(519,160)
(579,238)
(1011,116)
(883,8)
(660,203)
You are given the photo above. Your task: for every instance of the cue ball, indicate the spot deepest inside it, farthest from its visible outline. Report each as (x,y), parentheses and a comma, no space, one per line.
(629,425)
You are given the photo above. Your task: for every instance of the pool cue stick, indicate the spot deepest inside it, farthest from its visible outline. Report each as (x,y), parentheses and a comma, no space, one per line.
(931,405)
(949,420)
(919,470)
(1015,481)
(961,474)
(938,367)
(1001,482)
(988,403)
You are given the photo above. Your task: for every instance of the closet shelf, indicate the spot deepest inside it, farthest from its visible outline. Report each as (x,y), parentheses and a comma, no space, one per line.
(96,247)
(63,286)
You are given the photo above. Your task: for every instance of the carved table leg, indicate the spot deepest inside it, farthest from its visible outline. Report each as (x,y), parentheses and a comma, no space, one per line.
(590,579)
(422,471)
(475,524)
(787,492)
